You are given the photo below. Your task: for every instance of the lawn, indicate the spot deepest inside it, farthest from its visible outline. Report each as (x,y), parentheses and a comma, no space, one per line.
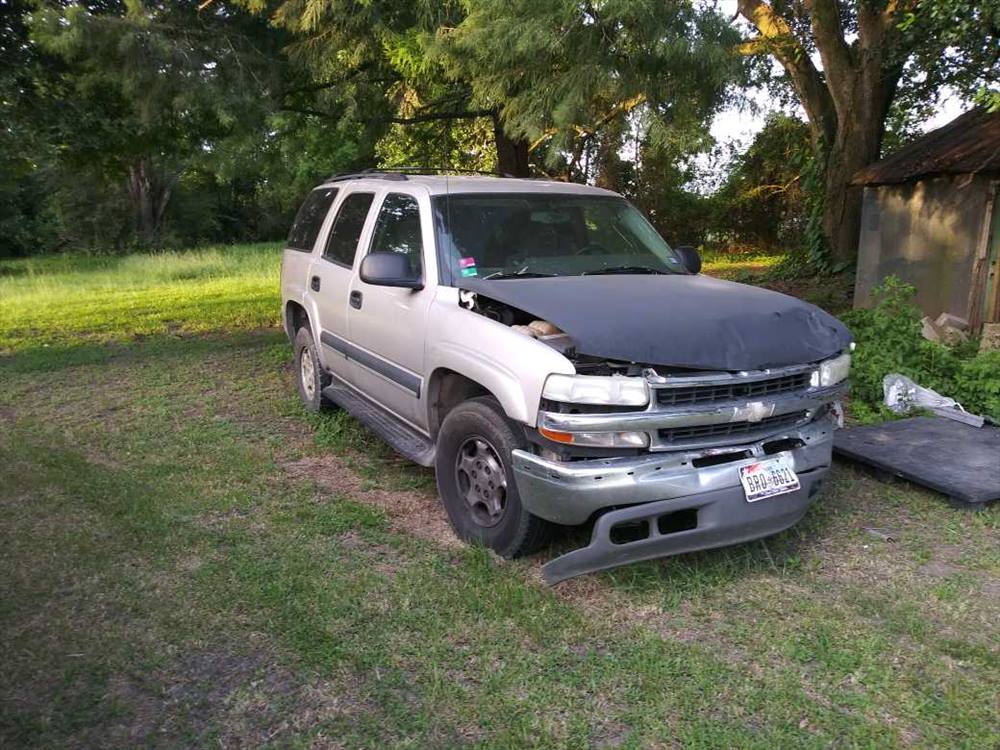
(191,560)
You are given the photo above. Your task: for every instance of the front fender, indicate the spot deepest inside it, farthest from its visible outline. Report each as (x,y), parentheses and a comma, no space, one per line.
(510,365)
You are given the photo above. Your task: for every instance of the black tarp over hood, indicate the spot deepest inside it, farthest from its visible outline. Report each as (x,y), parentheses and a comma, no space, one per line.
(677,320)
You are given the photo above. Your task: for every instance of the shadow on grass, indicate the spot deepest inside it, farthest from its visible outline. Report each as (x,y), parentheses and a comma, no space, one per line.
(47,358)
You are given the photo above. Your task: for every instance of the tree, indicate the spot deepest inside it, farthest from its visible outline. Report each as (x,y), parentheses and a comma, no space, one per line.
(761,201)
(144,91)
(868,51)
(374,63)
(573,78)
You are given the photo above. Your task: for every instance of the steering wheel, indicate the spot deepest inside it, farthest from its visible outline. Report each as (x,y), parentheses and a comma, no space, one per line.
(592,249)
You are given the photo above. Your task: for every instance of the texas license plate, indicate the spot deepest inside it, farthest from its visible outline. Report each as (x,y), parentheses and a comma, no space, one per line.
(764,479)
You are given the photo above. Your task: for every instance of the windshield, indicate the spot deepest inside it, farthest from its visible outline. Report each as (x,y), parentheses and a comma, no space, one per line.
(511,235)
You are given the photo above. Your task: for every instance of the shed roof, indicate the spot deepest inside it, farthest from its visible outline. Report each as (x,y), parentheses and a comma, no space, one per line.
(969,144)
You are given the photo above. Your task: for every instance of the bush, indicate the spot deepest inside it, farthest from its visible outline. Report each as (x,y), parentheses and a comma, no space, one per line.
(889,340)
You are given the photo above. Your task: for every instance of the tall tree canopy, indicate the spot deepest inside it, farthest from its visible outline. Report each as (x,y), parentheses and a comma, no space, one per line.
(850,61)
(555,78)
(150,122)
(572,77)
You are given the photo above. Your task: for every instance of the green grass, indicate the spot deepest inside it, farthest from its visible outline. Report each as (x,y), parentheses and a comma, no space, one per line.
(53,301)
(190,560)
(738,265)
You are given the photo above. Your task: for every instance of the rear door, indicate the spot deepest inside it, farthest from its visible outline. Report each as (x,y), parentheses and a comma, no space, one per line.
(388,324)
(296,262)
(330,277)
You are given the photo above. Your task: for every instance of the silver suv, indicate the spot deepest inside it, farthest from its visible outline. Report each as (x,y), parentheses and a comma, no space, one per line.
(558,363)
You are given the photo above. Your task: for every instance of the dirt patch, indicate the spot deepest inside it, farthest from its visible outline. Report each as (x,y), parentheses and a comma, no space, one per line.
(234,699)
(938,569)
(408,512)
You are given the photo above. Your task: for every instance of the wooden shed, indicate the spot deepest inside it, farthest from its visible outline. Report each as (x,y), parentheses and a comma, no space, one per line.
(931,217)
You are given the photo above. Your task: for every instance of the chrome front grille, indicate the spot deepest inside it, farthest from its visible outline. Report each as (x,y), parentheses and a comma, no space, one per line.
(712,393)
(693,434)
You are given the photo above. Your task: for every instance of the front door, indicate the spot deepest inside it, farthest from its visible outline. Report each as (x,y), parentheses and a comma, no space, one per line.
(388,323)
(330,279)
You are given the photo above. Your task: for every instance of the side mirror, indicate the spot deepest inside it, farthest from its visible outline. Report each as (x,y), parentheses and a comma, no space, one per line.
(389,269)
(690,257)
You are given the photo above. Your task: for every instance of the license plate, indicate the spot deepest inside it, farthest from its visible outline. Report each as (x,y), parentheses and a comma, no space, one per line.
(768,478)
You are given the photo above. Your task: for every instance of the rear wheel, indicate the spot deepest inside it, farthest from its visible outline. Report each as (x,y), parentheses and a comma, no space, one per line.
(310,375)
(476,481)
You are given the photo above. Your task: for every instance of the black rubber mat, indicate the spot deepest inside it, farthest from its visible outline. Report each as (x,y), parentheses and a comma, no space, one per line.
(960,461)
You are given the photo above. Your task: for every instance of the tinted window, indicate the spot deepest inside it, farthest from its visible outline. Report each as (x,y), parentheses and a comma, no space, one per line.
(398,230)
(309,219)
(346,231)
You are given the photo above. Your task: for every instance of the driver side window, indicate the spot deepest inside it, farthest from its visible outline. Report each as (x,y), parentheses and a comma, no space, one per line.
(397,230)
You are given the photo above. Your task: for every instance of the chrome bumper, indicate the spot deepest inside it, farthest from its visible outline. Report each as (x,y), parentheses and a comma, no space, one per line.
(570,492)
(710,519)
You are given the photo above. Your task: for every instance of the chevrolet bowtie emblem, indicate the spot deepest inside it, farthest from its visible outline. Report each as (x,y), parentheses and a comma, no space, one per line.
(755,411)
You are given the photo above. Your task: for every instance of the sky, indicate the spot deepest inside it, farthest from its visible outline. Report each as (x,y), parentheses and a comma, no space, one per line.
(735,126)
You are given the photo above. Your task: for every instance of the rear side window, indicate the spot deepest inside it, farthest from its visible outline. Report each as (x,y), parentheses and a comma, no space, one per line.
(346,231)
(398,230)
(309,219)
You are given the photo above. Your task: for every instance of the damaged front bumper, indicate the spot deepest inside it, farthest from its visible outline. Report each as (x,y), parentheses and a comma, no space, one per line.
(678,501)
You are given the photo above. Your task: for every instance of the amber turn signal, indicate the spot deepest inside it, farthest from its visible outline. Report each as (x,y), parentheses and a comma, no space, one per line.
(555,435)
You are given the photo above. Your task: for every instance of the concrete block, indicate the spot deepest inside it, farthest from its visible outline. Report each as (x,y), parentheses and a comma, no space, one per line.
(991,337)
(929,330)
(947,320)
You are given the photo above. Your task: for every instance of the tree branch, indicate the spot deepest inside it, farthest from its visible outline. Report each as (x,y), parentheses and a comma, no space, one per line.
(431,116)
(777,38)
(838,65)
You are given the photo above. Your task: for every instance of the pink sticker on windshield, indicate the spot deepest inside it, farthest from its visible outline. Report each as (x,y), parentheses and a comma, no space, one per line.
(466,262)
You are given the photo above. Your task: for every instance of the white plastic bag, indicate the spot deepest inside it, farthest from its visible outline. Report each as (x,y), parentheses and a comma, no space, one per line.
(902,395)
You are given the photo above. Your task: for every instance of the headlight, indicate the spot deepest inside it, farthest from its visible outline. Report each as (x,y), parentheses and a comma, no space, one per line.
(831,371)
(615,390)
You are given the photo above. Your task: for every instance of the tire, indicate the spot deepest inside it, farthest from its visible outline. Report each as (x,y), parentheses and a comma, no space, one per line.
(309,374)
(476,438)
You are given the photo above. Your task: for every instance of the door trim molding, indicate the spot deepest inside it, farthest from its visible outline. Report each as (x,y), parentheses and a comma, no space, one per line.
(398,375)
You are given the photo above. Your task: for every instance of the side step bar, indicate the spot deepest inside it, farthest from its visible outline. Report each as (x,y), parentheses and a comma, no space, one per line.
(400,436)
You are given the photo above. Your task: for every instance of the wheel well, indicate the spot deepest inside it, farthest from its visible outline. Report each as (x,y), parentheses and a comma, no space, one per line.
(446,390)
(295,317)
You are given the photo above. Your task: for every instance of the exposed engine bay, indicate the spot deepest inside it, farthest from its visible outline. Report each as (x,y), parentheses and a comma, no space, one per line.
(548,333)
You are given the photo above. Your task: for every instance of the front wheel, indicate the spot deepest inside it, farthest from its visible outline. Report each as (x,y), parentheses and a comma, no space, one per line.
(476,482)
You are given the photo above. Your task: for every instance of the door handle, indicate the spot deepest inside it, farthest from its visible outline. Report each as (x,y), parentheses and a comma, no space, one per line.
(356,298)
(314,283)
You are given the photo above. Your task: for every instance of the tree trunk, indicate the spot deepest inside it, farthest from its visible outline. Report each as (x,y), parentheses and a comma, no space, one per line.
(609,162)
(847,103)
(856,145)
(149,194)
(512,153)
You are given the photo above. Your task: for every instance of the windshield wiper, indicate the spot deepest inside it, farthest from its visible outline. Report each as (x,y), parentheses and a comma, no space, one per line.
(522,274)
(623,269)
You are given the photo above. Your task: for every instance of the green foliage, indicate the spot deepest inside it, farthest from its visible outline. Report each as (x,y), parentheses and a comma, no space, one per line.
(956,44)
(153,125)
(889,340)
(764,201)
(561,72)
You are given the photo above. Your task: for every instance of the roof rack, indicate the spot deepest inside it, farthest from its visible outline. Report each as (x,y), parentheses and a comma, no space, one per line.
(371,174)
(400,173)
